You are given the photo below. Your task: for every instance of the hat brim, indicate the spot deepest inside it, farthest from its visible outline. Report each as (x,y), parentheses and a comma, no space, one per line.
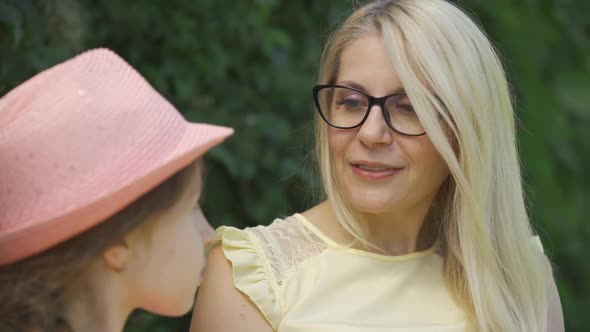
(19,244)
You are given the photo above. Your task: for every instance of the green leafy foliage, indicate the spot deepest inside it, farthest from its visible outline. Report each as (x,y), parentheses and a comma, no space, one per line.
(546,47)
(251,65)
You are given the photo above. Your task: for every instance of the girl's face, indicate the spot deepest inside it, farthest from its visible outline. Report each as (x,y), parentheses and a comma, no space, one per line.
(378,170)
(168,260)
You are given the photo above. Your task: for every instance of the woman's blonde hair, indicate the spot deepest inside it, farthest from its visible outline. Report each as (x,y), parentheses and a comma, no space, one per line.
(458,87)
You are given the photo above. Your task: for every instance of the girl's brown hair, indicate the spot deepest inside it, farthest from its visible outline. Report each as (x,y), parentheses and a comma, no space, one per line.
(32,290)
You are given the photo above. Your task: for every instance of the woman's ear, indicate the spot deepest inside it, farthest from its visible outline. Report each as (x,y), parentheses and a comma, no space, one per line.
(116,257)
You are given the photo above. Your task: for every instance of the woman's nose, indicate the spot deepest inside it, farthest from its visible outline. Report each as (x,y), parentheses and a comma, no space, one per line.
(375,130)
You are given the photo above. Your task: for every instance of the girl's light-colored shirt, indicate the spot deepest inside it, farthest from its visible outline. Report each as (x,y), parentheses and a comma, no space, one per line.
(301,280)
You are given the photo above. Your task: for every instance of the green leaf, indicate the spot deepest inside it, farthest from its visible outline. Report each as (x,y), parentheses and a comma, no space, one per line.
(573,88)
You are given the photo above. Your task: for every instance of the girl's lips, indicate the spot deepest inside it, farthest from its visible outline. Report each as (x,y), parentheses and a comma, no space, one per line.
(374,174)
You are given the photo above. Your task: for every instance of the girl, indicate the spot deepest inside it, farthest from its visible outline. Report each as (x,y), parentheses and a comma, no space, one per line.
(99,190)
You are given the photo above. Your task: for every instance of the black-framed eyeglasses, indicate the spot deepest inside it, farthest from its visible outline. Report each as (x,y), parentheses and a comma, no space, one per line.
(346,108)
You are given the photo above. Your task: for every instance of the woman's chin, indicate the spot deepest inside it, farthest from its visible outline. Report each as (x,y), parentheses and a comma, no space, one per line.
(375,206)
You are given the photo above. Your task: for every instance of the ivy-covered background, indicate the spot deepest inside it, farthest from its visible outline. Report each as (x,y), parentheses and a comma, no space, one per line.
(251,65)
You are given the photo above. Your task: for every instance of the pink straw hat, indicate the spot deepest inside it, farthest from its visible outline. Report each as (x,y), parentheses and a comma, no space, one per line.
(81,141)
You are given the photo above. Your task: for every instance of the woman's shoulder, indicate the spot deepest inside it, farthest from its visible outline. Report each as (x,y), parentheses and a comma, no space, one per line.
(259,259)
(280,245)
(286,232)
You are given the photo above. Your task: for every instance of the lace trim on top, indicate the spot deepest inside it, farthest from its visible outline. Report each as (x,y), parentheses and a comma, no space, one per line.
(286,243)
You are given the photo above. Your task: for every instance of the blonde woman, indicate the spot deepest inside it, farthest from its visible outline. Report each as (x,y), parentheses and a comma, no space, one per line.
(424,227)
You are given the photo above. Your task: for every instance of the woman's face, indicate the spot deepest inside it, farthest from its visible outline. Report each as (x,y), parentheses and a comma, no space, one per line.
(378,170)
(170,257)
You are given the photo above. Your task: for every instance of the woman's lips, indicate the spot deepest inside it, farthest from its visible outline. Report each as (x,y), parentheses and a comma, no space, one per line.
(374,171)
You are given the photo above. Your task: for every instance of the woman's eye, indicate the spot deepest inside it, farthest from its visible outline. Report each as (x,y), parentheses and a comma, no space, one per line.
(405,108)
(350,102)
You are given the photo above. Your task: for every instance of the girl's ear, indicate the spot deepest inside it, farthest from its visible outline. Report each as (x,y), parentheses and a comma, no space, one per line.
(116,257)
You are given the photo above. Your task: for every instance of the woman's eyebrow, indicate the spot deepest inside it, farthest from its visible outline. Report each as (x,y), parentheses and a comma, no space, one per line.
(352,84)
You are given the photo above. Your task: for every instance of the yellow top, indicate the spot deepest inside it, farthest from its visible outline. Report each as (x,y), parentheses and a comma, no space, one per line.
(301,280)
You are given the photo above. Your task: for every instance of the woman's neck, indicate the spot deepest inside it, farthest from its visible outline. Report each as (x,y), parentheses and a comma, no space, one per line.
(96,303)
(394,233)
(399,233)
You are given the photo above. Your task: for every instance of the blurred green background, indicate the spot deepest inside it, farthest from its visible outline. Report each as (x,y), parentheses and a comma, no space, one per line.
(251,65)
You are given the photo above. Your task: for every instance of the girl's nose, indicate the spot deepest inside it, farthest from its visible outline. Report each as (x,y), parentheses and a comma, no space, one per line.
(205,230)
